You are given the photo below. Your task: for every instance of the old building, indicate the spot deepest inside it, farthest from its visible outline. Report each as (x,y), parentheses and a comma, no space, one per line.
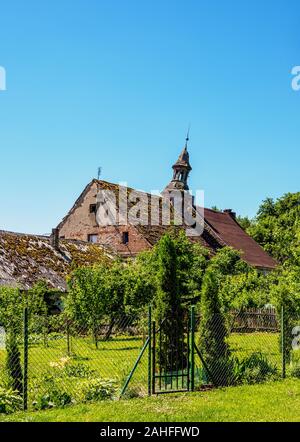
(127,239)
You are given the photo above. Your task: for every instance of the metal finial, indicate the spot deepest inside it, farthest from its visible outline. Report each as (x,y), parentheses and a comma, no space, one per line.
(99,172)
(187,135)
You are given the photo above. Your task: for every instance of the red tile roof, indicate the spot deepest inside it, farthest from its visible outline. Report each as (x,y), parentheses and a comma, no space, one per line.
(233,235)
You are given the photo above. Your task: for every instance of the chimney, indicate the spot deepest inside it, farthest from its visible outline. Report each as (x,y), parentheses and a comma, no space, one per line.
(230,212)
(54,239)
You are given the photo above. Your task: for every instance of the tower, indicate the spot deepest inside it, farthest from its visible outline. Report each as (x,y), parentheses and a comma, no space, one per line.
(181,170)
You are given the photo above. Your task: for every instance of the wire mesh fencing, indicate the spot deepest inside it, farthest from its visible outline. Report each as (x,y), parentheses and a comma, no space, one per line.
(247,347)
(53,361)
(70,362)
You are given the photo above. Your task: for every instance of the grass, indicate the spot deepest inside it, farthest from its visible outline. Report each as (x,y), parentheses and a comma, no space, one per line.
(114,359)
(277,401)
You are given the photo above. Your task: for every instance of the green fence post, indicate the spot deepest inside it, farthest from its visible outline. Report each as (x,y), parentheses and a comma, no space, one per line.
(192,348)
(283,343)
(149,350)
(134,367)
(25,370)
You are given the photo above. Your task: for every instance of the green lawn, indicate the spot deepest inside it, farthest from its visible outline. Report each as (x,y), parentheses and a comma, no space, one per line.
(277,401)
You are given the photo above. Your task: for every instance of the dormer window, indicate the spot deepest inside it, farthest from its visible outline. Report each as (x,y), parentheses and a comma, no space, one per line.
(93,208)
(125,238)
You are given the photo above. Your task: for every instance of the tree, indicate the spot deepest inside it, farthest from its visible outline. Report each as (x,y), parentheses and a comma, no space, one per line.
(213,332)
(97,293)
(169,313)
(277,227)
(244,221)
(12,303)
(86,302)
(13,362)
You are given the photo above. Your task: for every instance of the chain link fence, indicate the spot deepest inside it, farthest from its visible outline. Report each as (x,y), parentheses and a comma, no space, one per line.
(52,361)
(56,362)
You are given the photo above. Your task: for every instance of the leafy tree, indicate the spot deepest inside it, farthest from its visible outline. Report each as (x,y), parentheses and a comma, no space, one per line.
(244,221)
(87,302)
(277,227)
(285,292)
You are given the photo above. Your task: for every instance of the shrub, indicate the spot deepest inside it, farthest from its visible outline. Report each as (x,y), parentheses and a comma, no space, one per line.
(78,371)
(13,363)
(10,400)
(254,369)
(53,395)
(295,372)
(97,390)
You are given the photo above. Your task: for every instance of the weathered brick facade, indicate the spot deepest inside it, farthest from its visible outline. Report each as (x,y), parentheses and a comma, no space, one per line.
(81,224)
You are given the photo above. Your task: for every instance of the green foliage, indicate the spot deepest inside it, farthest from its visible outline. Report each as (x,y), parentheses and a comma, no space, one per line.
(212,332)
(52,394)
(168,307)
(244,221)
(97,390)
(88,299)
(10,400)
(12,302)
(78,370)
(295,371)
(277,227)
(254,369)
(13,363)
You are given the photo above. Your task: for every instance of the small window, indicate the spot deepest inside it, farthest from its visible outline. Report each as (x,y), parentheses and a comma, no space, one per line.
(93,208)
(93,238)
(125,237)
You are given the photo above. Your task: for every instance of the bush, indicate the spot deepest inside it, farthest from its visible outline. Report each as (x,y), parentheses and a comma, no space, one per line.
(254,369)
(53,395)
(97,390)
(78,371)
(295,372)
(10,400)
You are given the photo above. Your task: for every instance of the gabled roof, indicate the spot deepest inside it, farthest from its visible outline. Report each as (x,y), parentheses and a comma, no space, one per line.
(234,236)
(220,229)
(27,259)
(152,233)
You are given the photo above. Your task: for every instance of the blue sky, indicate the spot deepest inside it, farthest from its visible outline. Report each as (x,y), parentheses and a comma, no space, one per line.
(116,83)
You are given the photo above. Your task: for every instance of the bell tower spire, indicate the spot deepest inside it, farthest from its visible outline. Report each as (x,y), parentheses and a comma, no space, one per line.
(181,170)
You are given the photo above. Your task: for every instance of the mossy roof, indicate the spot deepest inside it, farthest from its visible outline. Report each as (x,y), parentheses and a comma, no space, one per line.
(26,259)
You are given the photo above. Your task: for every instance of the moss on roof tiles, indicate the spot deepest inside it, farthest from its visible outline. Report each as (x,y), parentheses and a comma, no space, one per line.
(26,259)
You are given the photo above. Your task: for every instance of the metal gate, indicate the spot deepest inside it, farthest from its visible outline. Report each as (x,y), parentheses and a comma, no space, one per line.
(173,354)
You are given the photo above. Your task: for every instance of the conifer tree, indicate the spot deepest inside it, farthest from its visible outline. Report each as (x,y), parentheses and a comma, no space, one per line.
(213,332)
(169,312)
(13,362)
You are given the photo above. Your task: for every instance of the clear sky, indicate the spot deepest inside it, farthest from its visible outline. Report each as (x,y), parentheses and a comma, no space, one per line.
(116,83)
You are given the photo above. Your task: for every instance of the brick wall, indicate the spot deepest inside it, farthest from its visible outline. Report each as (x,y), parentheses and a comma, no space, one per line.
(80,223)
